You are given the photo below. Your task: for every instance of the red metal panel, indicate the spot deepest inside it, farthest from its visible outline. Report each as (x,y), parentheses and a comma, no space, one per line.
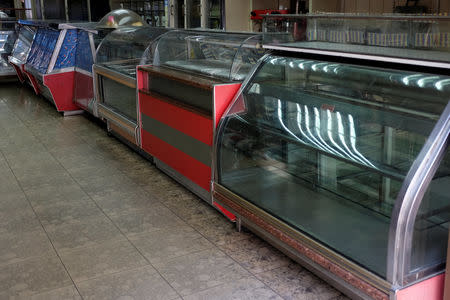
(196,126)
(228,214)
(223,95)
(83,86)
(430,289)
(33,82)
(61,88)
(179,161)
(18,72)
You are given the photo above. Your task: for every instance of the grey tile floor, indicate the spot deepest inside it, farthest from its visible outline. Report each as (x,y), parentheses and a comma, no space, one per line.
(84,217)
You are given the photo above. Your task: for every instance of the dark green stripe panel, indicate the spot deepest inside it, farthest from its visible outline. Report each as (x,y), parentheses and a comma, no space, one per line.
(183,142)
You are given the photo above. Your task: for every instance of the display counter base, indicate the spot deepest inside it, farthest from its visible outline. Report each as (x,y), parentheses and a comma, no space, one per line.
(190,185)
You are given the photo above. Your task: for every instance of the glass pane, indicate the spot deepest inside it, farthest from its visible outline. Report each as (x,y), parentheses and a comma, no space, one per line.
(325,147)
(418,37)
(122,49)
(119,97)
(429,246)
(226,56)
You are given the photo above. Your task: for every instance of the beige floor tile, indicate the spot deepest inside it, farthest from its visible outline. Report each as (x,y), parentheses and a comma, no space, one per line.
(18,246)
(199,271)
(142,283)
(153,218)
(248,288)
(107,258)
(170,243)
(255,254)
(294,282)
(83,232)
(32,276)
(65,293)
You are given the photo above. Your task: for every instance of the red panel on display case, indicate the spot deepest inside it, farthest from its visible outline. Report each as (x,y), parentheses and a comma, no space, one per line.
(18,72)
(33,82)
(194,125)
(430,289)
(83,85)
(178,160)
(223,94)
(61,87)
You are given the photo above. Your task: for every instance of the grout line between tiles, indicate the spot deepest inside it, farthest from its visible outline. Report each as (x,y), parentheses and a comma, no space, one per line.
(43,228)
(146,192)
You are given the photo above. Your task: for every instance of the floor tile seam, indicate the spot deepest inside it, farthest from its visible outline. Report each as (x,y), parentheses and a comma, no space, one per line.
(123,234)
(39,220)
(118,272)
(119,228)
(112,240)
(46,233)
(251,276)
(251,273)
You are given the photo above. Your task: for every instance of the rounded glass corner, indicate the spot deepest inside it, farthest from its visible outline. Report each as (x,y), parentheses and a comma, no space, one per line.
(119,18)
(124,48)
(211,53)
(344,135)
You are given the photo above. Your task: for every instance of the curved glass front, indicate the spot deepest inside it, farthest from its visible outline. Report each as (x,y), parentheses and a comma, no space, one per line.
(405,36)
(8,36)
(23,44)
(430,236)
(122,49)
(119,18)
(325,147)
(216,54)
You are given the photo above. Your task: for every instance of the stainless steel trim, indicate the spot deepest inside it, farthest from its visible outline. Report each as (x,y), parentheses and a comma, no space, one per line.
(339,260)
(92,43)
(410,197)
(315,268)
(251,74)
(104,111)
(58,45)
(414,62)
(123,79)
(190,185)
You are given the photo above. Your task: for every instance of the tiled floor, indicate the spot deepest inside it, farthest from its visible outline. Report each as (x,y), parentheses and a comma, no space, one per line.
(84,217)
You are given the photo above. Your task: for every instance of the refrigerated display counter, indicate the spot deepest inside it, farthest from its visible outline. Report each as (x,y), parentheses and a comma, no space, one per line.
(340,159)
(115,79)
(182,95)
(56,55)
(21,49)
(59,65)
(8,36)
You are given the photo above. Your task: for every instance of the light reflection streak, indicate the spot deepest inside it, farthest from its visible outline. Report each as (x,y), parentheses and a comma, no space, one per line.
(338,147)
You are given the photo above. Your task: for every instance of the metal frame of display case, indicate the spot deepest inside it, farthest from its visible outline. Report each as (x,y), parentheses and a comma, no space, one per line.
(178,132)
(346,275)
(7,72)
(18,64)
(118,123)
(56,81)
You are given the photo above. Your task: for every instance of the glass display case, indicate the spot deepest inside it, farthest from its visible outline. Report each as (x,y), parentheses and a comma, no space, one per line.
(420,37)
(120,18)
(115,77)
(21,50)
(192,77)
(342,161)
(8,36)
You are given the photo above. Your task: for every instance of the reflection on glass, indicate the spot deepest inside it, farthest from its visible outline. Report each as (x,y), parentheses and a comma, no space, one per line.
(325,147)
(429,245)
(227,56)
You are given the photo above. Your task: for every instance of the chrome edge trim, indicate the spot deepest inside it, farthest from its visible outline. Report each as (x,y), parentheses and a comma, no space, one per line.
(334,257)
(410,197)
(414,62)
